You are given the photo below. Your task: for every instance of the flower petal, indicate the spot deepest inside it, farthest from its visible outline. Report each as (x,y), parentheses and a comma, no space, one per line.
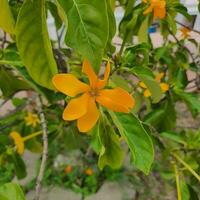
(102,83)
(18,140)
(142,85)
(69,84)
(88,70)
(147,93)
(87,122)
(164,87)
(76,108)
(159,12)
(159,76)
(116,99)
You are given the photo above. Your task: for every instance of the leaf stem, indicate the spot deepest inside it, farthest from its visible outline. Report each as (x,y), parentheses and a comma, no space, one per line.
(28,137)
(177,182)
(186,166)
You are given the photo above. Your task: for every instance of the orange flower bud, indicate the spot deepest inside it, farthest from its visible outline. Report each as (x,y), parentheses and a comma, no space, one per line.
(68,169)
(89,172)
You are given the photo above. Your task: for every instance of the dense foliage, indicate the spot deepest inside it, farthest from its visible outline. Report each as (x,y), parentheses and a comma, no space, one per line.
(124,126)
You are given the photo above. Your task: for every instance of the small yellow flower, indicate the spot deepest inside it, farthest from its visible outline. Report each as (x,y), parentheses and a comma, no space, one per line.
(185,32)
(158,7)
(31,119)
(19,142)
(68,169)
(89,172)
(83,108)
(164,86)
(159,76)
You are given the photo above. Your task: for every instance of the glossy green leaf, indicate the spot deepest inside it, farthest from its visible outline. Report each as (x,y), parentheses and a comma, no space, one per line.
(87,28)
(138,140)
(9,84)
(34,44)
(7,22)
(111,152)
(11,191)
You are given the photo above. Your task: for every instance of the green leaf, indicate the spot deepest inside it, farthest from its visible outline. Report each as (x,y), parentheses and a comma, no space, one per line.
(185,194)
(7,22)
(19,164)
(9,84)
(87,28)
(171,23)
(119,81)
(34,146)
(111,152)
(11,191)
(146,76)
(137,138)
(112,26)
(163,117)
(34,44)
(193,193)
(174,137)
(143,31)
(191,100)
(10,57)
(55,13)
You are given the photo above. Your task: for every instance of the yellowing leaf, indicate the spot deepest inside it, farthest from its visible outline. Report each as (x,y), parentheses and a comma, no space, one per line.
(7,22)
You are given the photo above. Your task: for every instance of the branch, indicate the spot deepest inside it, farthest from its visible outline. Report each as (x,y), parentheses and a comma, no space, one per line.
(182,46)
(45,148)
(187,27)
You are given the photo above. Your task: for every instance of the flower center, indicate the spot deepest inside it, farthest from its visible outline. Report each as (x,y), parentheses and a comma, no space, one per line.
(94,92)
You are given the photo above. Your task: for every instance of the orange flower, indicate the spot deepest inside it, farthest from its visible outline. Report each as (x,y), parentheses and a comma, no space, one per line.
(185,32)
(89,172)
(158,7)
(68,169)
(83,108)
(164,86)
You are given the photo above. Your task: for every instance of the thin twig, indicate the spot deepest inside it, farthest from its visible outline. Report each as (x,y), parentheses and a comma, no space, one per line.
(187,27)
(182,46)
(45,148)
(3,40)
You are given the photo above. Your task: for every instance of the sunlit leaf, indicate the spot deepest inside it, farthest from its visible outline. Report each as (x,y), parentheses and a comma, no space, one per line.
(87,28)
(7,22)
(11,191)
(34,44)
(137,138)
